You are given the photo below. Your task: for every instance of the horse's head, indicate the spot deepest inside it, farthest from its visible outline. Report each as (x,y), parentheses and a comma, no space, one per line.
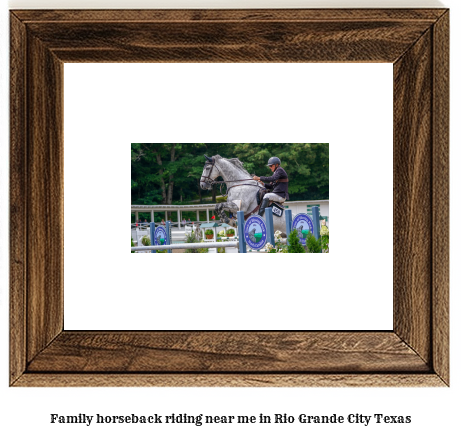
(210,173)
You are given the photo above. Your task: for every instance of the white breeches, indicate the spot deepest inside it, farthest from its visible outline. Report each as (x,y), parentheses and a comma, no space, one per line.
(274,197)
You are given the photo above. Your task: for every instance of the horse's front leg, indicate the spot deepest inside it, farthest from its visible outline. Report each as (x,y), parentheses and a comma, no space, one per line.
(220,209)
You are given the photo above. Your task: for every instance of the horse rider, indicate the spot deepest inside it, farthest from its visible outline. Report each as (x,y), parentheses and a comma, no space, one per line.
(277,183)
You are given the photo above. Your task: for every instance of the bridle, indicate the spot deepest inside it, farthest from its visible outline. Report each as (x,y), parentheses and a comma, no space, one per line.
(207,179)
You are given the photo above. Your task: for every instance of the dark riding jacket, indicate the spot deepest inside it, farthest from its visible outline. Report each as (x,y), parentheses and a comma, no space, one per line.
(280,188)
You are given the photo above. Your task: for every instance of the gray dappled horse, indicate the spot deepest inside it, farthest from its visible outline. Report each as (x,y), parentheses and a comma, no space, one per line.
(240,186)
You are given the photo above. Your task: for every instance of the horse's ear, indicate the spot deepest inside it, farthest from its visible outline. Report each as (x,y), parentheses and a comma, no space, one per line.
(209,159)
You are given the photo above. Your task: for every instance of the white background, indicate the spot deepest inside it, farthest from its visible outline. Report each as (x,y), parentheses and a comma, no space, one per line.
(108,106)
(432,410)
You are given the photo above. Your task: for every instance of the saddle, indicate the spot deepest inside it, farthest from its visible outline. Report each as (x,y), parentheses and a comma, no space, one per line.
(276,210)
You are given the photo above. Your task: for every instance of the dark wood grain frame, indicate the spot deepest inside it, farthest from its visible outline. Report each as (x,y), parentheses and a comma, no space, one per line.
(414,353)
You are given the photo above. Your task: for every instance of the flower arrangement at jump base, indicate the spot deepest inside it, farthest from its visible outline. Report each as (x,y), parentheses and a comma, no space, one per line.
(320,245)
(145,240)
(279,246)
(313,245)
(209,234)
(191,239)
(325,238)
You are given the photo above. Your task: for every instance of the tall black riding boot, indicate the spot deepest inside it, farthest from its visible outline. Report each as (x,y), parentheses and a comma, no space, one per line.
(262,207)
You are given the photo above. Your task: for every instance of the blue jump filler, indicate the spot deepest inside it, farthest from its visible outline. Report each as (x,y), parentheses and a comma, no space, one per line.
(241,230)
(168,233)
(288,222)
(270,225)
(152,236)
(316,221)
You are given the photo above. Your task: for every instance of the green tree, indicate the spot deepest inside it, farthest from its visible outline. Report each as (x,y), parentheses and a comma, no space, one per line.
(294,245)
(170,173)
(313,244)
(164,172)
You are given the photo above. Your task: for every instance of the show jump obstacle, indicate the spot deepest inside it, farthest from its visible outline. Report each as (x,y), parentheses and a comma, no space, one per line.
(262,232)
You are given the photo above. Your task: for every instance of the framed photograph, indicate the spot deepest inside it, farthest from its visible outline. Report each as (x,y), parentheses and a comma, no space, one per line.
(414,353)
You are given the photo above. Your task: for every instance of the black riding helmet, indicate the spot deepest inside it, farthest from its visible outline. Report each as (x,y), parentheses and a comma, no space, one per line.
(273,161)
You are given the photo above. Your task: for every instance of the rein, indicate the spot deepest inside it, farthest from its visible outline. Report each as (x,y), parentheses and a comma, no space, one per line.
(212,182)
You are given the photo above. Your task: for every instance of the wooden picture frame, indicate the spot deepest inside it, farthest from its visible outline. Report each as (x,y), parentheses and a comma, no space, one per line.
(414,353)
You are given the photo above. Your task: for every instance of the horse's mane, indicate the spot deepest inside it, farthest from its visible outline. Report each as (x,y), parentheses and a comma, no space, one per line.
(234,161)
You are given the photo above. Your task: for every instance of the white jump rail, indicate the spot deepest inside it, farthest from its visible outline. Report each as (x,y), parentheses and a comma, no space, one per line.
(185,246)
